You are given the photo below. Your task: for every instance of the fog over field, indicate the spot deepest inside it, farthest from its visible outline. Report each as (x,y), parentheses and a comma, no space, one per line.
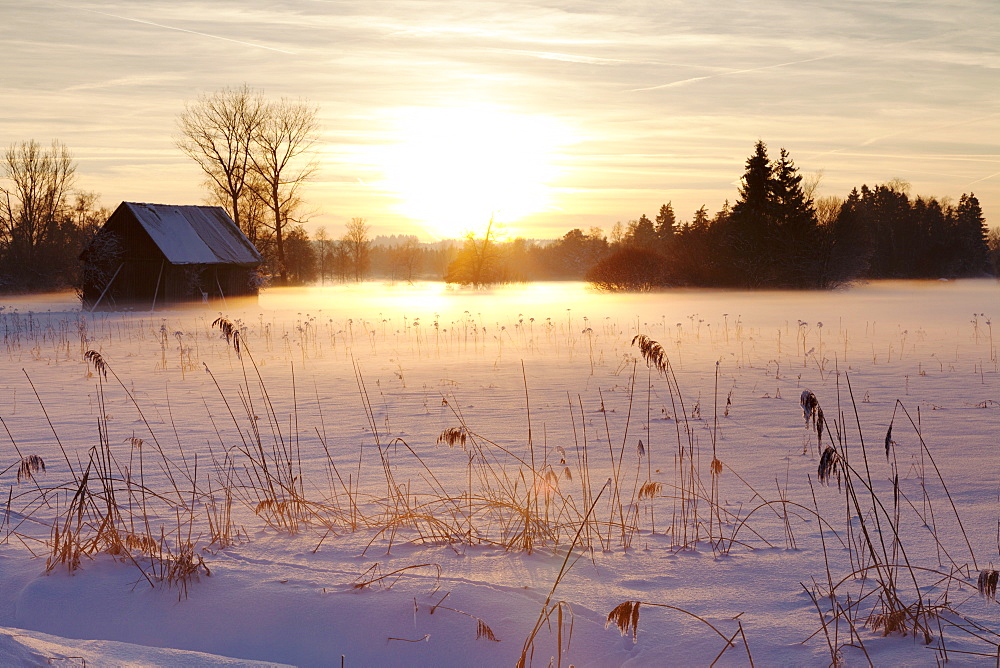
(418,475)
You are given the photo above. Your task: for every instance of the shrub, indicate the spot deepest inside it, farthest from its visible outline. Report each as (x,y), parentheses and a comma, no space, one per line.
(630,270)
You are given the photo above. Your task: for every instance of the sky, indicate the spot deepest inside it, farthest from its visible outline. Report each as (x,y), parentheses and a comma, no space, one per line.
(435,116)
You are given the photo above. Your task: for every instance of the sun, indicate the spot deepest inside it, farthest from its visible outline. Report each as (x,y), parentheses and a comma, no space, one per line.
(455,168)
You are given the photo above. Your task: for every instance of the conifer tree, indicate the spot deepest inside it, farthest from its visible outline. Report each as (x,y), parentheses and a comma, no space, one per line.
(700,220)
(971,234)
(771,235)
(749,230)
(754,204)
(641,233)
(797,241)
(665,223)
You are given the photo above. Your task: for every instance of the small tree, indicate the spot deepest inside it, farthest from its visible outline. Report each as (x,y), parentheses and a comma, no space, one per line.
(478,262)
(406,258)
(641,233)
(324,254)
(301,256)
(357,248)
(665,223)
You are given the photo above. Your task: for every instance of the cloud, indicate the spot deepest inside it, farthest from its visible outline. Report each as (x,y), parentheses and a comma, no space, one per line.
(564,57)
(691,80)
(134,80)
(192,32)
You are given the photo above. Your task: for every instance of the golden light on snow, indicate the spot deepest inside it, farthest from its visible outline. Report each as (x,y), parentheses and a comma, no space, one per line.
(455,168)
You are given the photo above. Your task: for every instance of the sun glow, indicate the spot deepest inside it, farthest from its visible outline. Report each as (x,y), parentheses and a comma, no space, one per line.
(455,168)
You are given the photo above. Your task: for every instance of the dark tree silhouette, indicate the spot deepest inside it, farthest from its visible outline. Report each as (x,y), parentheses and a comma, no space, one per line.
(665,224)
(32,206)
(632,269)
(771,235)
(971,236)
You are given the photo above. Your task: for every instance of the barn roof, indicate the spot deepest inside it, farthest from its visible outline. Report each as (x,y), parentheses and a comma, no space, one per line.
(192,234)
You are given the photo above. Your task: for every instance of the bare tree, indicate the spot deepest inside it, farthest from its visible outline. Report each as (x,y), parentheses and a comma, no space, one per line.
(406,257)
(283,139)
(324,253)
(479,263)
(827,209)
(252,212)
(357,247)
(32,205)
(217,133)
(254,153)
(810,184)
(88,214)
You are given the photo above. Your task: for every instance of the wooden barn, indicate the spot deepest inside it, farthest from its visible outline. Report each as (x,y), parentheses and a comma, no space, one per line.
(149,255)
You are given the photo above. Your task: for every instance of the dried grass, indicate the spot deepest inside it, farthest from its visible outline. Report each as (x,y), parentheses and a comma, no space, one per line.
(625,617)
(231,332)
(652,352)
(29,467)
(987,583)
(453,436)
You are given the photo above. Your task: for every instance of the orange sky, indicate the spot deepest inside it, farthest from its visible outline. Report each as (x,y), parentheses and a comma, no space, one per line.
(553,115)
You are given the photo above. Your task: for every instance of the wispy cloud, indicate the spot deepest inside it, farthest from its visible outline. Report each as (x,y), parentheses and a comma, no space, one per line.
(563,57)
(135,80)
(191,32)
(684,82)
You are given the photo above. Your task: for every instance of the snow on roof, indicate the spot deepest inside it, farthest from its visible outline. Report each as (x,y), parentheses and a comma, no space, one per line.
(194,234)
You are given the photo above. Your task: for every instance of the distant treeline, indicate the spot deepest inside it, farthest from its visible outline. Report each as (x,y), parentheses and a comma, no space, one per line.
(44,222)
(774,235)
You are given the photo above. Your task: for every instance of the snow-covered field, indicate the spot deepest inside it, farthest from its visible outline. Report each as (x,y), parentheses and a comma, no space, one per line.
(411,475)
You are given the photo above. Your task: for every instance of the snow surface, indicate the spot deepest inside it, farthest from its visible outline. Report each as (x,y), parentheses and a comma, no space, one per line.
(548,357)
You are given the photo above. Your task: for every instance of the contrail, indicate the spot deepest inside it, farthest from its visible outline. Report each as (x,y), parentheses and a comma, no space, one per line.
(123,81)
(564,57)
(913,130)
(985,178)
(777,65)
(731,73)
(192,32)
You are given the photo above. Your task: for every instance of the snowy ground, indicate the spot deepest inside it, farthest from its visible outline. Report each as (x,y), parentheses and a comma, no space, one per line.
(355,530)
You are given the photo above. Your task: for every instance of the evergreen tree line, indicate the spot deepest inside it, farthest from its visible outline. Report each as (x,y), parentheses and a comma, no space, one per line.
(775,235)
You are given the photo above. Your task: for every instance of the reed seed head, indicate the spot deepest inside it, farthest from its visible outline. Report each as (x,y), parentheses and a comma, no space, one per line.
(453,436)
(231,331)
(97,361)
(650,490)
(29,466)
(987,584)
(830,465)
(625,617)
(652,352)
